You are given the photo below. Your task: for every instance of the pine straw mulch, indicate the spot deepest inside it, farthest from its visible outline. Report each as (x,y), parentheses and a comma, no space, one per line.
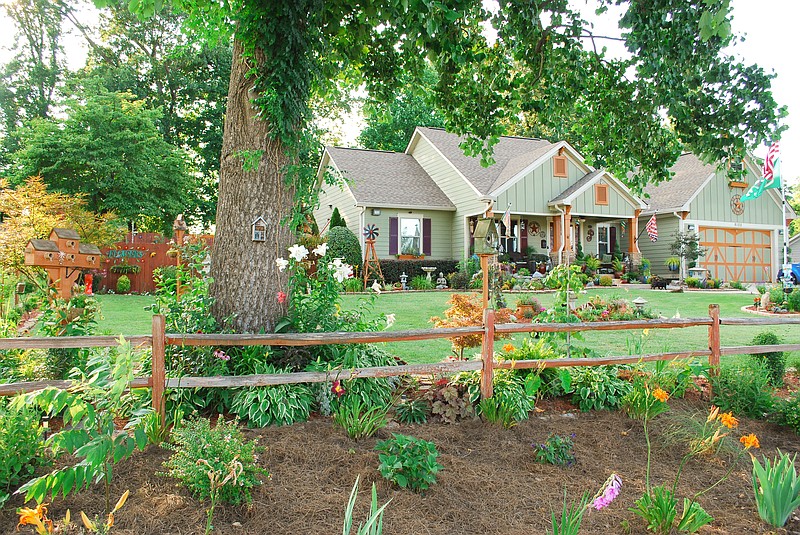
(490,483)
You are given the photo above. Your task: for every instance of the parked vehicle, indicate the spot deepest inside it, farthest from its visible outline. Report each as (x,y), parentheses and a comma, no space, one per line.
(794,274)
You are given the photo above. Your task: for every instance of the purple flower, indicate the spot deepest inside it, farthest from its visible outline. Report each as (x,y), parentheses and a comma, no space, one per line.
(221,355)
(608,493)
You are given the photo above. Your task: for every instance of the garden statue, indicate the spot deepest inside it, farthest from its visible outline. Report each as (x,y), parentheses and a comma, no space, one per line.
(441,282)
(63,256)
(765,301)
(403,280)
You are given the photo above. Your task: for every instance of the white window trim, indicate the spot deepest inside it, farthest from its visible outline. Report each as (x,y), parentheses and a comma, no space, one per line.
(608,238)
(420,217)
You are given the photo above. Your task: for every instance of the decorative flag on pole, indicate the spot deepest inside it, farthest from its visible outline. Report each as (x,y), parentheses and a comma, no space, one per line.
(507,220)
(652,228)
(622,226)
(771,172)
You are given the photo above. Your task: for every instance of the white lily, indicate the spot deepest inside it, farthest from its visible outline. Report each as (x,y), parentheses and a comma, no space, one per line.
(342,271)
(390,318)
(298,252)
(282,263)
(321,249)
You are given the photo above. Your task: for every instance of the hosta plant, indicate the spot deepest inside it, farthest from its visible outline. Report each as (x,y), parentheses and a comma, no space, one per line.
(262,406)
(408,462)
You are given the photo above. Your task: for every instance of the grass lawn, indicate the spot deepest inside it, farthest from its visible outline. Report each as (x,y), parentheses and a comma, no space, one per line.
(125,314)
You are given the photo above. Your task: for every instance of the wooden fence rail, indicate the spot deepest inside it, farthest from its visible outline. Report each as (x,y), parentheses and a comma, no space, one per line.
(160,339)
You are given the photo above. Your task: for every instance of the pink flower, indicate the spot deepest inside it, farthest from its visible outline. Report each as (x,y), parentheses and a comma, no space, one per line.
(337,388)
(281,297)
(609,492)
(221,355)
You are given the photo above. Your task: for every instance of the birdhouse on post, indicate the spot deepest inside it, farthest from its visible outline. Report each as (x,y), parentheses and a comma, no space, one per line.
(487,242)
(63,256)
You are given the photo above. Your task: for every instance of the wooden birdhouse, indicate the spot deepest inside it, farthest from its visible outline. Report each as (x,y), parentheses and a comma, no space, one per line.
(259,228)
(63,256)
(487,240)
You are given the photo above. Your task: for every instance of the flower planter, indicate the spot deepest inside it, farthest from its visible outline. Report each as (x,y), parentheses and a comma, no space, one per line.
(410,257)
(737,184)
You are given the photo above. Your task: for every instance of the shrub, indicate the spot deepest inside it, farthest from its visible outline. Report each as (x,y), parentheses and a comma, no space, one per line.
(606,280)
(393,268)
(524,272)
(337,220)
(528,299)
(777,489)
(692,282)
(353,285)
(467,310)
(408,462)
(358,419)
(788,412)
(342,243)
(20,446)
(262,406)
(793,300)
(736,285)
(743,389)
(777,295)
(421,282)
(458,280)
(451,402)
(598,387)
(775,361)
(556,449)
(220,447)
(123,284)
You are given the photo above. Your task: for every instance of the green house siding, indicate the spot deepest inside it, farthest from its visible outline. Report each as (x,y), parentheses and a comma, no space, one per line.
(334,196)
(713,203)
(658,252)
(441,230)
(586,204)
(531,194)
(457,190)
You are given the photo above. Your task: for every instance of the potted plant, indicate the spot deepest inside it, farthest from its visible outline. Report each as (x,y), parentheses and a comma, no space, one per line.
(673,263)
(618,268)
(527,304)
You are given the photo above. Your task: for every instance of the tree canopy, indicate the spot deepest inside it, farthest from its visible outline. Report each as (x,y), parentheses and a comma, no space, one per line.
(109,149)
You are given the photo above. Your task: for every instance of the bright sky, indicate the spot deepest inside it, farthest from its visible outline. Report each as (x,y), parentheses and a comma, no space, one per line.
(769,27)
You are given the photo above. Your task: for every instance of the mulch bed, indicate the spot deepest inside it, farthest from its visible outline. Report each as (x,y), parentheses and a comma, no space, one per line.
(490,483)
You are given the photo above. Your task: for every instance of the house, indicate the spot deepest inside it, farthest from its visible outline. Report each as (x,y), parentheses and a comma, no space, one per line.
(743,240)
(794,249)
(427,200)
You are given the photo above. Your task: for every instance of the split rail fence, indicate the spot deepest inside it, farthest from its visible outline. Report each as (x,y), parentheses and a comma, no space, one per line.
(160,339)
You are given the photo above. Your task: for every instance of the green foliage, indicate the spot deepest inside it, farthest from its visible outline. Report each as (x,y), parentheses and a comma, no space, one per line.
(736,285)
(88,411)
(353,285)
(775,361)
(336,219)
(262,406)
(606,280)
(788,412)
(571,516)
(693,517)
(640,403)
(373,525)
(421,282)
(776,488)
(598,387)
(21,446)
(692,282)
(342,243)
(105,147)
(223,450)
(514,395)
(75,317)
(564,278)
(658,508)
(743,389)
(687,246)
(408,462)
(556,450)
(793,300)
(358,419)
(412,411)
(123,284)
(451,402)
(125,268)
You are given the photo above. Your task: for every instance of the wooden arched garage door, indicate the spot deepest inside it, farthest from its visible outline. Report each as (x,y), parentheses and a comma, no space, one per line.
(737,254)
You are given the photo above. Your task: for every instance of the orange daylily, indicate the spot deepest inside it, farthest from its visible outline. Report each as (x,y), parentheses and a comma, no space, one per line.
(713,414)
(750,441)
(36,518)
(660,395)
(508,348)
(728,420)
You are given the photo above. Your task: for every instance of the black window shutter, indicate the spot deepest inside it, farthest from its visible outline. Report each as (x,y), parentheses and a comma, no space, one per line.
(393,235)
(426,237)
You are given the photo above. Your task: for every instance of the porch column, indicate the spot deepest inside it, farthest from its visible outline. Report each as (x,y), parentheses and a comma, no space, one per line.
(565,228)
(554,256)
(633,242)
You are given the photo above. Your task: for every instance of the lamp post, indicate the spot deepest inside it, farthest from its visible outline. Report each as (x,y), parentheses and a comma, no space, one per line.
(487,241)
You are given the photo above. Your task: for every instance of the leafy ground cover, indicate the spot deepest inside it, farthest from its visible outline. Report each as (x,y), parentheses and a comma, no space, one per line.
(490,483)
(125,314)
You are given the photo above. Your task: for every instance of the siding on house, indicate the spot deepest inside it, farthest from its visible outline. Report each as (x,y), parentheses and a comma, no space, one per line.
(531,194)
(441,230)
(337,196)
(586,204)
(459,192)
(713,203)
(658,252)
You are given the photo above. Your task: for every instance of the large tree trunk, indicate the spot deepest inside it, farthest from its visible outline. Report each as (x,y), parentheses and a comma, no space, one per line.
(246,279)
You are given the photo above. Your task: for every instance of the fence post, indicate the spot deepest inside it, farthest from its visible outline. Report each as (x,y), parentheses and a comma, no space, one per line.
(714,339)
(159,371)
(487,354)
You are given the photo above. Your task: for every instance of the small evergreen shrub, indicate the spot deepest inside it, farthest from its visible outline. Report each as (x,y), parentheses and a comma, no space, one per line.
(606,280)
(408,462)
(337,220)
(743,390)
(775,361)
(793,300)
(342,243)
(123,284)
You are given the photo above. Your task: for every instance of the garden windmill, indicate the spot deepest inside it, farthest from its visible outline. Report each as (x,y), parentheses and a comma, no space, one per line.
(372,267)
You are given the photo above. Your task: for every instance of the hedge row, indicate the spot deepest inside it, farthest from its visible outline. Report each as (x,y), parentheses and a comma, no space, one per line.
(392,269)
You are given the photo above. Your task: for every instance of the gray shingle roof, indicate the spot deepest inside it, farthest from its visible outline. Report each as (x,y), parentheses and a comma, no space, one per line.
(44,245)
(511,155)
(66,233)
(381,178)
(588,177)
(689,173)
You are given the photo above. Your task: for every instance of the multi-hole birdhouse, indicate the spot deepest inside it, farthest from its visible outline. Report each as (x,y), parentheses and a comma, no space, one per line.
(63,256)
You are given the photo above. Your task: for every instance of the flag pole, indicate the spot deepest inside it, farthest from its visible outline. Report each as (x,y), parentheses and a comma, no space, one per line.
(783,222)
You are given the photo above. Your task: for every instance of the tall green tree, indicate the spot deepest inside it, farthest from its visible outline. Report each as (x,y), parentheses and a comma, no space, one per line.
(390,124)
(108,148)
(286,54)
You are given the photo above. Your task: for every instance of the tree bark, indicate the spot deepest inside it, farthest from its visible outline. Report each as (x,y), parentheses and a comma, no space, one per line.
(246,278)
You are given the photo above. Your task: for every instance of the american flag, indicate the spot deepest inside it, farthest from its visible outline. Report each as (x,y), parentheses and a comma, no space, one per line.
(652,228)
(622,227)
(769,164)
(507,220)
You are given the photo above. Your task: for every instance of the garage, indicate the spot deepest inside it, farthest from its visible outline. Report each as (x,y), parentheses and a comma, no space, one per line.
(735,254)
